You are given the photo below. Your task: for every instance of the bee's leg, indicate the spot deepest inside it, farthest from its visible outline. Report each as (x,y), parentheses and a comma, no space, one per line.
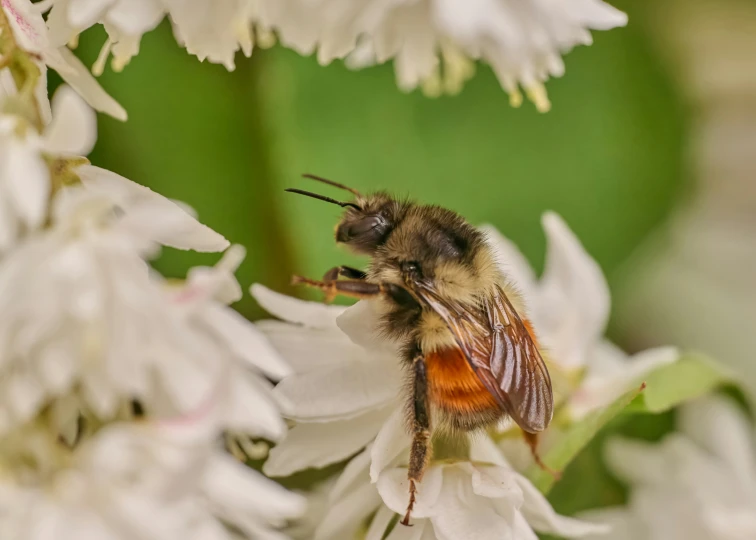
(421,448)
(344,271)
(532,440)
(357,289)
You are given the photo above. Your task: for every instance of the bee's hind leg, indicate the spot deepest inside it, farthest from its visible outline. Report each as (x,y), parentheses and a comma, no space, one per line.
(421,448)
(532,440)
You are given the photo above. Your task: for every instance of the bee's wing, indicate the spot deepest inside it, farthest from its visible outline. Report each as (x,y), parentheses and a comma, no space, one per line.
(502,353)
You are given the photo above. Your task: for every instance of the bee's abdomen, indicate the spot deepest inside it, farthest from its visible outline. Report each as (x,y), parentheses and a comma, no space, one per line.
(456,391)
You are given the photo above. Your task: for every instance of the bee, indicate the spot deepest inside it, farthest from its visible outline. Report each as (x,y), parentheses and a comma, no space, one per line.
(472,356)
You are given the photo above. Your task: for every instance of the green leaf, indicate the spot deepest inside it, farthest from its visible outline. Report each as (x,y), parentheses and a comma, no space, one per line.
(575,438)
(690,377)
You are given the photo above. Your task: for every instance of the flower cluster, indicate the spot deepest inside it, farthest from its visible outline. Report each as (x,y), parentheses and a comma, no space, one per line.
(433,43)
(116,385)
(344,398)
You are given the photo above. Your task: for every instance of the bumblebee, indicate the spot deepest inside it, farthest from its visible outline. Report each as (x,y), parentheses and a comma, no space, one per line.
(472,357)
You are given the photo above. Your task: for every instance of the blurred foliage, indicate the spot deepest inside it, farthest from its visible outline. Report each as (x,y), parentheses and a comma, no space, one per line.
(607,157)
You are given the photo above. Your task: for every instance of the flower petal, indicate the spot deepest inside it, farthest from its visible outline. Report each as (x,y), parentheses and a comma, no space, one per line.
(294,310)
(151,215)
(308,349)
(27,179)
(318,445)
(542,517)
(379,524)
(251,410)
(391,440)
(394,489)
(573,306)
(360,323)
(621,521)
(421,530)
(339,392)
(354,474)
(716,424)
(346,516)
(459,513)
(73,129)
(496,482)
(246,342)
(80,79)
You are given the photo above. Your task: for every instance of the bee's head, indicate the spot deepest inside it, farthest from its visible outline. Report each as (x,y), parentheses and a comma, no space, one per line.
(368,220)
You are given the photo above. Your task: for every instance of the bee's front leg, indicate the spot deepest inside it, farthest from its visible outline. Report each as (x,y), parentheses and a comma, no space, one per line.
(344,271)
(421,431)
(357,289)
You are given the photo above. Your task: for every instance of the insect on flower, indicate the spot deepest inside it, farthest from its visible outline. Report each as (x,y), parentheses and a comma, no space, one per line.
(472,357)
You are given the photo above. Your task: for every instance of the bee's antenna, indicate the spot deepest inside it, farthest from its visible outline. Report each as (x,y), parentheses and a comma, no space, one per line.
(332,183)
(323,198)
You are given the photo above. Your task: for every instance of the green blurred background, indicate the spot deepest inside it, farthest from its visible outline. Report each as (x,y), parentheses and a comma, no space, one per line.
(607,157)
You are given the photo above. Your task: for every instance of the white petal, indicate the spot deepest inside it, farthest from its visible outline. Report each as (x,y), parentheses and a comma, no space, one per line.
(318,445)
(251,409)
(623,524)
(355,474)
(233,485)
(360,323)
(716,424)
(310,314)
(85,13)
(496,482)
(151,215)
(308,349)
(421,530)
(542,517)
(379,524)
(136,17)
(78,76)
(461,514)
(73,129)
(245,340)
(27,181)
(346,516)
(339,392)
(391,440)
(573,306)
(394,489)
(512,262)
(27,25)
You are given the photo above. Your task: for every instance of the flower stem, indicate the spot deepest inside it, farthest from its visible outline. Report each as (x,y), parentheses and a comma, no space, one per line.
(24,70)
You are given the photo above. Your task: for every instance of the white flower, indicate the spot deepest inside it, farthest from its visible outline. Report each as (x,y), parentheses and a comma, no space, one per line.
(31,35)
(24,174)
(522,40)
(698,484)
(161,479)
(81,311)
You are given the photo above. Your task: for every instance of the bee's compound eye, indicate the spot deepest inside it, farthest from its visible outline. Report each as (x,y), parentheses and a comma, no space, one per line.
(365,225)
